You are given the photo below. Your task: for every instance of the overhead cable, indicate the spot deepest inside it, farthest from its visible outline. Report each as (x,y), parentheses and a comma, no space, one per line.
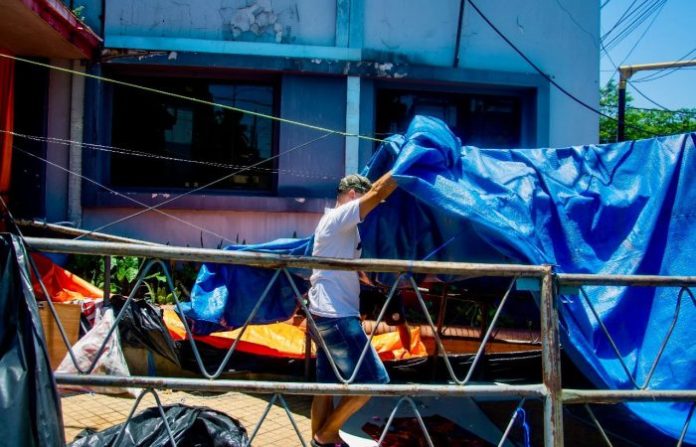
(189,98)
(541,72)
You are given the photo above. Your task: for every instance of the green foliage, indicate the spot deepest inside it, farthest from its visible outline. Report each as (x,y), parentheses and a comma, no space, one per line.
(640,123)
(124,272)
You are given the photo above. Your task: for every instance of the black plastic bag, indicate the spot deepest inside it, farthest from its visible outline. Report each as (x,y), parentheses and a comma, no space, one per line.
(190,426)
(29,405)
(142,326)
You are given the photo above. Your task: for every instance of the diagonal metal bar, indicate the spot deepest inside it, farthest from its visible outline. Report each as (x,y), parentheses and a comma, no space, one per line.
(510,424)
(51,307)
(143,272)
(263,418)
(122,432)
(365,349)
(292,420)
(141,278)
(313,325)
(438,340)
(669,332)
(410,401)
(598,425)
(482,346)
(662,346)
(374,330)
(685,429)
(232,348)
(187,328)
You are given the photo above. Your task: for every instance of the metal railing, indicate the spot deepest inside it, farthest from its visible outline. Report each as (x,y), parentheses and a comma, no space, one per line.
(549,391)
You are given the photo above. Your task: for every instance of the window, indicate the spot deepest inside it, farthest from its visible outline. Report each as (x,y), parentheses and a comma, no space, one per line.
(479,120)
(215,141)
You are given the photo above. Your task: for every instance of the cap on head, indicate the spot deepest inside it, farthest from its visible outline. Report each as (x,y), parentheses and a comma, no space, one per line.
(356,182)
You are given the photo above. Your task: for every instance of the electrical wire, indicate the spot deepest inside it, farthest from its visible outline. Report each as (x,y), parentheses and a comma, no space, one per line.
(619,21)
(141,154)
(658,74)
(200,188)
(647,28)
(649,99)
(641,15)
(189,98)
(131,199)
(541,72)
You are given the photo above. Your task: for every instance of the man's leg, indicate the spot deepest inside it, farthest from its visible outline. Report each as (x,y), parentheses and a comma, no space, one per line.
(322,407)
(328,432)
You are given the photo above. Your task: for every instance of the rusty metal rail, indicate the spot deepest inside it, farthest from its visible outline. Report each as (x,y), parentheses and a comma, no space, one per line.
(550,390)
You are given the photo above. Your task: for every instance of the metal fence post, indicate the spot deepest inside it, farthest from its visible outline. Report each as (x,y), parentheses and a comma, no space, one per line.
(551,357)
(107,279)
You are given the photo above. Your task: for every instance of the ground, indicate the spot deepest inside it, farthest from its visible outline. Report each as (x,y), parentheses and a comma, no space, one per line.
(100,411)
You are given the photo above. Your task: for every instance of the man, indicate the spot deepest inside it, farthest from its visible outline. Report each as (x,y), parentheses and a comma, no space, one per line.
(334,305)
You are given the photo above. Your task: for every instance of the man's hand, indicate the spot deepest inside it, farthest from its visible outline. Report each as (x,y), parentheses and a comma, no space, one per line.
(380,190)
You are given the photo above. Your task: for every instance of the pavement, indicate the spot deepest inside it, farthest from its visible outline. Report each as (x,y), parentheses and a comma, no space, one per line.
(97,411)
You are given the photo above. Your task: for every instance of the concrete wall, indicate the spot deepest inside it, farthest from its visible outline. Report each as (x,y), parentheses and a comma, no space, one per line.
(315,169)
(287,21)
(562,38)
(559,36)
(313,45)
(58,126)
(221,227)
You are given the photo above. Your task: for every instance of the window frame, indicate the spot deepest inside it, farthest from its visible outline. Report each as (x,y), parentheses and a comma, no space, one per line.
(527,95)
(130,72)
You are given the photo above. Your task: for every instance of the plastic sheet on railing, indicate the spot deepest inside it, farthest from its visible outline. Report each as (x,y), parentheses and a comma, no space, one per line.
(623,208)
(29,405)
(224,295)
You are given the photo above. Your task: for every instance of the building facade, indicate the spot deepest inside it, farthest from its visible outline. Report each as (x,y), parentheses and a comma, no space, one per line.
(352,66)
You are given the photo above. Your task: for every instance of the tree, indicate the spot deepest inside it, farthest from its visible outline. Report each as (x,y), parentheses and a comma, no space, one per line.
(640,123)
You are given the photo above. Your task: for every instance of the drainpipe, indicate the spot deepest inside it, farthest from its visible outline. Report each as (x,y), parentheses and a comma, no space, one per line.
(77,104)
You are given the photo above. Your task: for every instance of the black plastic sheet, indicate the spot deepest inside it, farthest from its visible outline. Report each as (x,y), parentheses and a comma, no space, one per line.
(29,405)
(142,326)
(190,426)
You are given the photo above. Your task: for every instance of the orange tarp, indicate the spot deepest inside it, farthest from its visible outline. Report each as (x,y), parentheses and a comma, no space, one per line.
(286,340)
(61,284)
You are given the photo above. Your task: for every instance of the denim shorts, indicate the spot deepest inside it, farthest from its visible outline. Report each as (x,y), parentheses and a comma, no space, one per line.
(345,340)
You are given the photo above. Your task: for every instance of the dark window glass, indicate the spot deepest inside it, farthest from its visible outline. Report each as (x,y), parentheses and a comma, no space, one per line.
(216,140)
(479,120)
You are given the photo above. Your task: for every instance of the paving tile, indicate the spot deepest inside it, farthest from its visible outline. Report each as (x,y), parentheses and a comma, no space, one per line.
(101,411)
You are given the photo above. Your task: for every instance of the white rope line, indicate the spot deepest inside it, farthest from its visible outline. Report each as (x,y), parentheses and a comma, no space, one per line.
(138,202)
(200,188)
(135,153)
(188,98)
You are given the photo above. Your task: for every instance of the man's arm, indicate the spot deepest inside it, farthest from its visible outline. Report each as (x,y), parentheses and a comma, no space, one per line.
(380,190)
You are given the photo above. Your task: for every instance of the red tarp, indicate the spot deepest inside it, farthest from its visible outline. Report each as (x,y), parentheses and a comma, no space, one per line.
(6,123)
(62,285)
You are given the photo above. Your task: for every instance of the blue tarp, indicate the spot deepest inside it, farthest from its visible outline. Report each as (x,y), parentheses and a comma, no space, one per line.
(623,208)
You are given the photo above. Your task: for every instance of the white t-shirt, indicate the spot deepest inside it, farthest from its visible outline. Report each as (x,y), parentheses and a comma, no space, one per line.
(335,293)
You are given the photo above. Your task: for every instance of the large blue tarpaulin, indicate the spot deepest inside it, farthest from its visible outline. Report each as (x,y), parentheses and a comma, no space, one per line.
(623,208)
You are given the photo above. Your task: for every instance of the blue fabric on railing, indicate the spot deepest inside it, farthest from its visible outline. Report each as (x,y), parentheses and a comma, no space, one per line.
(623,208)
(225,294)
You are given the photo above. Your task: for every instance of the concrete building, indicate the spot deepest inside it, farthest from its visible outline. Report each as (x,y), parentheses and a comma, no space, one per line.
(40,102)
(354,66)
